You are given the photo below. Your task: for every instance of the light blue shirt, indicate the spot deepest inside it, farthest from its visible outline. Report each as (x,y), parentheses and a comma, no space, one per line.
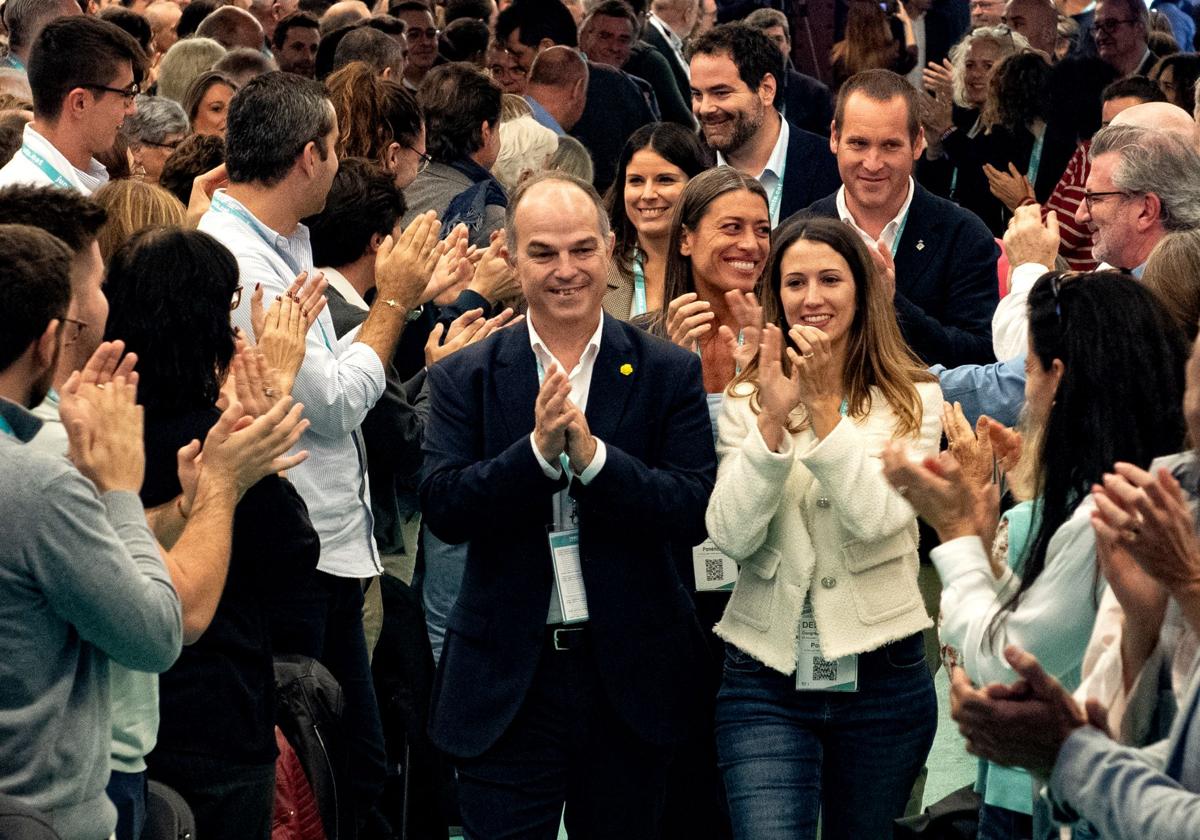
(997,390)
(339,382)
(542,116)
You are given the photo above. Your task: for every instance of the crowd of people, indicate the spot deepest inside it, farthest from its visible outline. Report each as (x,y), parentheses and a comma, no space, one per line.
(508,415)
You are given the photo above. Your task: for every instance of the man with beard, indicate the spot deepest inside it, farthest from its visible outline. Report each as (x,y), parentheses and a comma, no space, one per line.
(735,71)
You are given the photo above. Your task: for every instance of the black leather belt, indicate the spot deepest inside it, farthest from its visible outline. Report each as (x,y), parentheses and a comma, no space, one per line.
(566,636)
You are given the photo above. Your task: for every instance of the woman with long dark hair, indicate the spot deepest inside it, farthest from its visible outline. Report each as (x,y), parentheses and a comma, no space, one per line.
(170,293)
(826,705)
(1104,383)
(656,164)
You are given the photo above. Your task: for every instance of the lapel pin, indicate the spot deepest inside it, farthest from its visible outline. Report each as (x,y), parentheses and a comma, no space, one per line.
(920,244)
(626,369)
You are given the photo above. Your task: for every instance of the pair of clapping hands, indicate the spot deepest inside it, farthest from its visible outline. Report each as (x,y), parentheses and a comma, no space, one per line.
(104,426)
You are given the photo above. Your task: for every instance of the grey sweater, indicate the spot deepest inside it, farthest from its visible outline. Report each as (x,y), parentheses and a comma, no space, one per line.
(81,581)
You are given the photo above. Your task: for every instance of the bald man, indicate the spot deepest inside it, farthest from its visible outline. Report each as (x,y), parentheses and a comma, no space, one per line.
(232,27)
(1037,20)
(557,88)
(574,455)
(344,13)
(163,16)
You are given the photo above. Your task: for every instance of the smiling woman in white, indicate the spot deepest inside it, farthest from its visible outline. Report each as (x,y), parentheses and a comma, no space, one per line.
(826,704)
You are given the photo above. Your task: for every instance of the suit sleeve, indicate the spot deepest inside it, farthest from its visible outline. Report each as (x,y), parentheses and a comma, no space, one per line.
(971,291)
(463,497)
(676,488)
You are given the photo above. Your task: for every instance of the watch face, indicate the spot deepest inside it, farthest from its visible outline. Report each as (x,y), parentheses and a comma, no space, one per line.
(416,313)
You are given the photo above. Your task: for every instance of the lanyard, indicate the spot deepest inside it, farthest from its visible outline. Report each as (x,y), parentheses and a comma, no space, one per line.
(776,202)
(1035,157)
(639,286)
(56,177)
(899,233)
(6,428)
(222,205)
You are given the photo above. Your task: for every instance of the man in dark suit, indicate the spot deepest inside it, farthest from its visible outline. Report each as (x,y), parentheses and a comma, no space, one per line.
(801,99)
(669,22)
(735,73)
(944,276)
(575,455)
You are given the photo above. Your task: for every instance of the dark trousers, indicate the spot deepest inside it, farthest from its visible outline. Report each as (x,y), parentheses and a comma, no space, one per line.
(325,623)
(229,801)
(128,792)
(566,745)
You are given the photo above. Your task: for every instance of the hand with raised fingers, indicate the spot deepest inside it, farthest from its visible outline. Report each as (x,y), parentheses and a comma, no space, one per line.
(240,451)
(1011,188)
(454,269)
(1006,445)
(885,268)
(551,415)
(820,382)
(1030,240)
(688,320)
(581,446)
(936,488)
(778,393)
(747,313)
(203,188)
(404,265)
(495,279)
(971,447)
(282,343)
(104,432)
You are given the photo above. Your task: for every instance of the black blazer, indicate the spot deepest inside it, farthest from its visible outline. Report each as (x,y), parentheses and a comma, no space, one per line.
(805,102)
(645,63)
(655,39)
(482,484)
(946,282)
(811,170)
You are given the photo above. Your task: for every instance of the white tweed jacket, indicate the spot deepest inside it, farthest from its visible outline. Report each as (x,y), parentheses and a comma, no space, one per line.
(820,519)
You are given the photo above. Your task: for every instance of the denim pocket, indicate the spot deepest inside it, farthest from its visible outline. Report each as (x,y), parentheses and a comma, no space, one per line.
(738,661)
(906,653)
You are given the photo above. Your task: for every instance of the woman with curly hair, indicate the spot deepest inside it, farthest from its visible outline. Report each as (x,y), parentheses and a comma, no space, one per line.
(378,120)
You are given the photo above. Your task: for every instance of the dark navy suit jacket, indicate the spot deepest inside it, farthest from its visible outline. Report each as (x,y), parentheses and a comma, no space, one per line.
(483,484)
(811,170)
(946,282)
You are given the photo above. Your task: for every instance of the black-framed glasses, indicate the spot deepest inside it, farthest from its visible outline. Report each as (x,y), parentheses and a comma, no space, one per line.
(1089,198)
(425,159)
(236,300)
(72,329)
(1109,25)
(126,93)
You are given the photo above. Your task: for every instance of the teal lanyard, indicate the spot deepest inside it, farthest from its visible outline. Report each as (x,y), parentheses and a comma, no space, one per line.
(776,203)
(639,286)
(7,429)
(221,205)
(56,177)
(1035,157)
(900,232)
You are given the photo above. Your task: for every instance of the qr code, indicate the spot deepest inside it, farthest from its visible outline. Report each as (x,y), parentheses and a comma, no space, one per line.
(824,669)
(714,568)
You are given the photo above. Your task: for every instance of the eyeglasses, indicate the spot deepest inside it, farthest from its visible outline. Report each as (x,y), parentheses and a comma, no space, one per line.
(236,300)
(125,93)
(1109,25)
(72,329)
(1089,198)
(425,159)
(417,32)
(172,146)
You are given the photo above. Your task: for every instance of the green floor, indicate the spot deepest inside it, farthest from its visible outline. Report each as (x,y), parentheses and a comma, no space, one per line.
(950,767)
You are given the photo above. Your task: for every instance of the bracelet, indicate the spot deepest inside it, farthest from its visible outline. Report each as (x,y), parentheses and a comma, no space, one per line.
(179,506)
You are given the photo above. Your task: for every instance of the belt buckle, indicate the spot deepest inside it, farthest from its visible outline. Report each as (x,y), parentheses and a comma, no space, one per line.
(561,645)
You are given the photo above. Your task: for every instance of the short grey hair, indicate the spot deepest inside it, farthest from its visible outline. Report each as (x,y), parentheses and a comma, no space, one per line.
(186,60)
(1158,162)
(157,118)
(518,195)
(764,19)
(24,18)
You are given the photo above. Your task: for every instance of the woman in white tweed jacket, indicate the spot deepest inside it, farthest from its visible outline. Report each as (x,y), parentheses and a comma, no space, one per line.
(826,704)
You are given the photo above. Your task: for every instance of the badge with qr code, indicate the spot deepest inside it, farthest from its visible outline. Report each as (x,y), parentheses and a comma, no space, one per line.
(713,570)
(813,671)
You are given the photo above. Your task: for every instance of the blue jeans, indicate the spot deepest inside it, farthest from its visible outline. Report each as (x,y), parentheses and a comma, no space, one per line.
(789,756)
(128,792)
(996,823)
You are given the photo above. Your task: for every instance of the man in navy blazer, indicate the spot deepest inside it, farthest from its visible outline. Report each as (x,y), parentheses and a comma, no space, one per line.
(571,426)
(945,281)
(735,73)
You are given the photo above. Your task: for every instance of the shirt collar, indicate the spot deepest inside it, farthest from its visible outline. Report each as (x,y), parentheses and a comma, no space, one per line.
(775,162)
(543,354)
(343,286)
(668,33)
(89,180)
(21,420)
(277,239)
(888,235)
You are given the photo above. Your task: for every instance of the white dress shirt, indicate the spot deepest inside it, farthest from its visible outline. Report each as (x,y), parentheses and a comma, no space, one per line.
(1010,321)
(771,177)
(23,168)
(673,40)
(345,288)
(580,378)
(891,231)
(339,382)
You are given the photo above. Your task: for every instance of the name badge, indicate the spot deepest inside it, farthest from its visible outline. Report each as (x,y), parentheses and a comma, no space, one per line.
(813,671)
(568,575)
(713,571)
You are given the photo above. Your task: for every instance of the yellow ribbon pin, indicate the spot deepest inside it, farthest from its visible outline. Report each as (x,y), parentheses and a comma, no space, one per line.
(626,369)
